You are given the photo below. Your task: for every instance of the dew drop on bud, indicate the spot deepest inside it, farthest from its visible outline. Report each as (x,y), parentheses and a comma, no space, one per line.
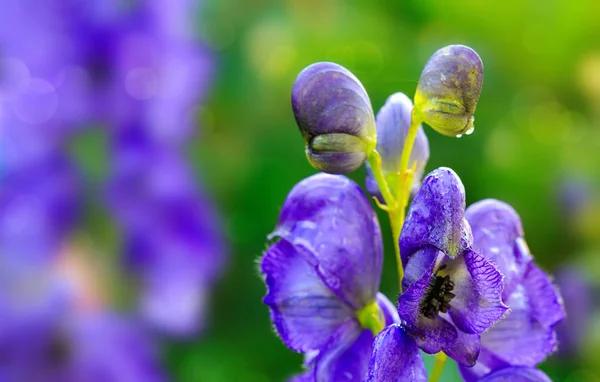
(470,131)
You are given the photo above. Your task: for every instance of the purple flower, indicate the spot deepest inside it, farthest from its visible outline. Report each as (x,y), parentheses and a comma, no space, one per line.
(451,293)
(516,374)
(393,122)
(334,114)
(39,206)
(322,277)
(396,358)
(449,89)
(171,234)
(578,298)
(526,335)
(50,331)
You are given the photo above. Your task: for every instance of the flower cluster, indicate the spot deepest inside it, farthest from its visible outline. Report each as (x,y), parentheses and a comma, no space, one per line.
(470,289)
(136,71)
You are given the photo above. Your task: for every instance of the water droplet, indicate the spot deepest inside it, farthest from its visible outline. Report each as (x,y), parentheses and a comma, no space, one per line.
(458,135)
(470,131)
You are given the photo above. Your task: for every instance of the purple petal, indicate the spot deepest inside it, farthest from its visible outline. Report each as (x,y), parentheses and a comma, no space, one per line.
(465,350)
(334,114)
(546,302)
(486,363)
(478,289)
(496,230)
(393,122)
(346,355)
(395,357)
(390,313)
(432,335)
(330,217)
(436,216)
(519,339)
(516,374)
(304,310)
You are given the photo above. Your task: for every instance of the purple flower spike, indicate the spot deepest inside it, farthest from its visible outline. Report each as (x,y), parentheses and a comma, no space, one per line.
(393,122)
(449,89)
(516,374)
(334,114)
(322,276)
(526,335)
(395,358)
(451,293)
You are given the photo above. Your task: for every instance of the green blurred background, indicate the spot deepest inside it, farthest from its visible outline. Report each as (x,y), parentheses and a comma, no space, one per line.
(537,125)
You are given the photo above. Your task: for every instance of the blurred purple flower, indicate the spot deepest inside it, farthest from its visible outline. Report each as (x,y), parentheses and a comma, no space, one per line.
(322,277)
(451,293)
(526,336)
(393,122)
(170,232)
(48,334)
(577,293)
(68,64)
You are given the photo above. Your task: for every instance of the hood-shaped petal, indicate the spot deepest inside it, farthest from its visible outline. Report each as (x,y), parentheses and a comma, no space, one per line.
(393,121)
(334,114)
(305,311)
(497,228)
(395,358)
(436,216)
(516,374)
(330,217)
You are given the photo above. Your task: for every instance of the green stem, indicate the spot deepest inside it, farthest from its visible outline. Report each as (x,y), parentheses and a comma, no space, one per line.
(396,204)
(438,367)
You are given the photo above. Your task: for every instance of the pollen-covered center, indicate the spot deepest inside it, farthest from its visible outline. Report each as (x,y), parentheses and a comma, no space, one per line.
(438,295)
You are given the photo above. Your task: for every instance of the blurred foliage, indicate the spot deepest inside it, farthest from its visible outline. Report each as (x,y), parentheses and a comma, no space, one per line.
(537,122)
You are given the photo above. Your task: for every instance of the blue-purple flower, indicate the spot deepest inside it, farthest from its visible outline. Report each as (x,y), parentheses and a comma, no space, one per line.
(395,358)
(51,332)
(171,234)
(449,89)
(451,293)
(526,336)
(322,276)
(334,115)
(392,122)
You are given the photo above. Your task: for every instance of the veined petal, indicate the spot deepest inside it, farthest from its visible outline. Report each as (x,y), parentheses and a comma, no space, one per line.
(331,218)
(478,289)
(486,363)
(395,357)
(431,334)
(304,310)
(436,216)
(516,374)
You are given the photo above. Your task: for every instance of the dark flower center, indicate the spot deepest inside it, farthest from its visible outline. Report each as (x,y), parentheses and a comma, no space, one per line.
(438,295)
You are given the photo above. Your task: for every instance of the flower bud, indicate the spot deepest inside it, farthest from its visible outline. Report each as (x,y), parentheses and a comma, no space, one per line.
(393,121)
(448,90)
(334,114)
